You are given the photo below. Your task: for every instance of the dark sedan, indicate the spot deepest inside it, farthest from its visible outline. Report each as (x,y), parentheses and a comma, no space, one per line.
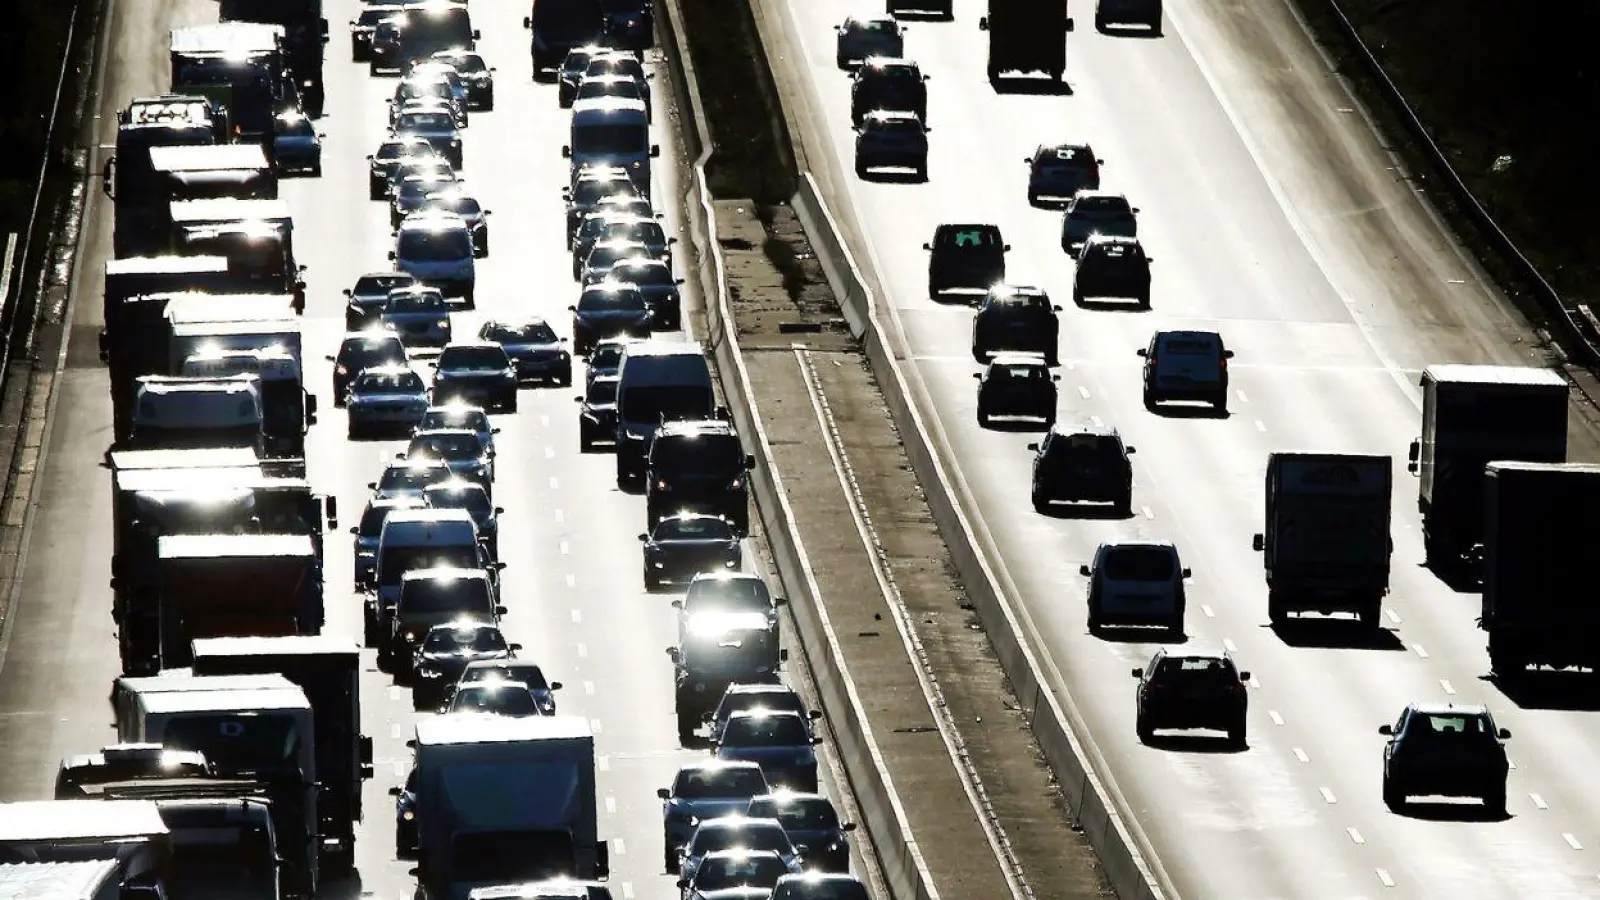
(534,349)
(366,300)
(480,373)
(681,547)
(448,649)
(597,417)
(607,310)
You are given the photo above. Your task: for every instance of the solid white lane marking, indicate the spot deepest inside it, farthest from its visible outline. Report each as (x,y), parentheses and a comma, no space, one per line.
(1446,686)
(583,650)
(1229,645)
(565,548)
(1383,876)
(1355,835)
(1083,392)
(588,688)
(1273,715)
(1260,425)
(1571,839)
(572,580)
(611,804)
(1301,755)
(553,483)
(1538,801)
(618,847)
(1421,650)
(1148,512)
(1206,608)
(1242,397)
(594,725)
(560,517)
(1393,616)
(549,453)
(577,615)
(1327,795)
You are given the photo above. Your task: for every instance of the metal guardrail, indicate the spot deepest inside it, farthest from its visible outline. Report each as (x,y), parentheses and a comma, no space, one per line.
(1572,335)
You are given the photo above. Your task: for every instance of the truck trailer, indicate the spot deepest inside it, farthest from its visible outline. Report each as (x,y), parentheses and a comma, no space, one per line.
(1326,545)
(1027,36)
(235,585)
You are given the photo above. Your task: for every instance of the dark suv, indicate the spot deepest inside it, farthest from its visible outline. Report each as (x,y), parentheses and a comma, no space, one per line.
(1056,173)
(884,83)
(1112,266)
(965,258)
(362,351)
(1082,464)
(1017,385)
(698,466)
(1186,365)
(1445,750)
(1185,689)
(1016,319)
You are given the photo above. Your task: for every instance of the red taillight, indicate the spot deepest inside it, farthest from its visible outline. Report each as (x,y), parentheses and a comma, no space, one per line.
(1224,365)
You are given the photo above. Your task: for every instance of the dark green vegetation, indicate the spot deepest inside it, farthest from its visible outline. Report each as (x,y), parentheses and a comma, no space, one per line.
(32,40)
(752,156)
(1510,92)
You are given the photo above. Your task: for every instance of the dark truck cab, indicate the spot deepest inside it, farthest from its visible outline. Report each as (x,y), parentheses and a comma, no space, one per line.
(328,669)
(1027,36)
(1326,545)
(167,120)
(1472,416)
(305,33)
(698,466)
(1538,573)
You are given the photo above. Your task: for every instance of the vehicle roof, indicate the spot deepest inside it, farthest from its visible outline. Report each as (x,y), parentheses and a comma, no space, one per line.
(1147,543)
(208,157)
(692,428)
(1088,194)
(465,624)
(1204,651)
(1100,238)
(890,116)
(737,820)
(885,63)
(707,577)
(390,369)
(233,546)
(1185,335)
(510,665)
(471,345)
(1070,429)
(427,516)
(372,335)
(605,107)
(767,714)
(264,699)
(1445,708)
(759,688)
(1005,289)
(1073,147)
(477,728)
(432,219)
(285,645)
(39,820)
(872,20)
(444,573)
(1018,358)
(717,765)
(691,517)
(1472,374)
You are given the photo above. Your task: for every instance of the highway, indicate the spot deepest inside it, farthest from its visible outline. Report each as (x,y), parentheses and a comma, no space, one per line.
(572,586)
(1274,218)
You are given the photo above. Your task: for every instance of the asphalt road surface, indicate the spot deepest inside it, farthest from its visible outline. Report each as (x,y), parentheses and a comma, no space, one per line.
(572,586)
(1273,217)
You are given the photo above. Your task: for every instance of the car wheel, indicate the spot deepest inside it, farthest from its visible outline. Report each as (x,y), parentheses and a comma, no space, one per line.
(652,581)
(369,631)
(1123,506)
(1033,199)
(922,172)
(1150,401)
(1277,610)
(1220,402)
(1236,734)
(1142,727)
(509,402)
(353,433)
(861,169)
(1495,800)
(669,858)
(1041,503)
(688,724)
(1393,797)
(585,441)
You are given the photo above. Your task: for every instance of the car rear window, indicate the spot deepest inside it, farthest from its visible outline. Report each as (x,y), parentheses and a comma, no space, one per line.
(1139,564)
(693,784)
(1189,346)
(969,238)
(1198,669)
(374,284)
(1101,206)
(1453,726)
(1022,373)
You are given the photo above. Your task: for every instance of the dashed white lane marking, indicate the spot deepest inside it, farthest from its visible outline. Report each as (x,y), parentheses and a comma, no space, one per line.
(395,693)
(1095,420)
(1260,425)
(1420,650)
(560,517)
(1083,392)
(1383,876)
(1511,763)
(627,890)
(1206,608)
(549,453)
(594,725)
(1229,645)
(577,616)
(588,688)
(1301,755)
(1538,801)
(1571,839)
(603,763)
(583,651)
(1242,397)
(1355,835)
(1393,616)
(1327,795)
(1255,682)
(1446,686)
(1273,715)
(1148,512)
(395,730)
(565,548)
(611,804)
(554,483)
(572,580)
(618,847)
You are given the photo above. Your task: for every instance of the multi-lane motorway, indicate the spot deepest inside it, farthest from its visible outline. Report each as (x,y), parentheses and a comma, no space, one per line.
(1274,218)
(572,587)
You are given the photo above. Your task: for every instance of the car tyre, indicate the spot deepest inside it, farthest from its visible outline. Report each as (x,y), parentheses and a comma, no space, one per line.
(1041,503)
(1123,506)
(1495,800)
(1393,796)
(688,723)
(1143,728)
(861,169)
(669,859)
(983,417)
(1236,735)
(1220,402)
(1277,609)
(652,581)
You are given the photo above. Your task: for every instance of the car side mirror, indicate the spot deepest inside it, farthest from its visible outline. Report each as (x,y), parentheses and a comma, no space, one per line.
(655,150)
(329,358)
(355,530)
(577,399)
(1188,573)
(683,882)
(1099,162)
(677,604)
(500,610)
(644,537)
(566,152)
(1034,446)
(749,460)
(1131,450)
(983,23)
(1138,673)
(1136,210)
(816,741)
(978,375)
(572,309)
(926,245)
(1055,308)
(1055,377)
(1258,543)
(1415,451)
(1386,730)
(1070,24)
(1084,570)
(1504,734)
(1244,676)
(499,510)
(1006,248)
(372,485)
(672,654)
(477,35)
(1227,354)
(663,793)
(394,792)
(347,292)
(399,456)
(557,685)
(411,744)
(678,281)
(527,21)
(514,647)
(369,157)
(1149,260)
(391,256)
(814,715)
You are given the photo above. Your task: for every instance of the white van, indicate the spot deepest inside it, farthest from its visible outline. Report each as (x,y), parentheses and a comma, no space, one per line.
(612,131)
(423,539)
(658,380)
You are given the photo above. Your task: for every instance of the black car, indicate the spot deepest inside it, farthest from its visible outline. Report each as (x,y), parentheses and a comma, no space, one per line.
(361,29)
(389,156)
(608,309)
(630,24)
(823,885)
(591,186)
(478,373)
(459,493)
(967,258)
(698,466)
(1191,688)
(446,650)
(1445,750)
(1016,385)
(655,281)
(1057,172)
(572,69)
(681,547)
(887,83)
(1114,267)
(499,698)
(366,300)
(1186,365)
(1016,319)
(813,826)
(475,74)
(597,416)
(525,673)
(534,348)
(366,350)
(861,37)
(1082,464)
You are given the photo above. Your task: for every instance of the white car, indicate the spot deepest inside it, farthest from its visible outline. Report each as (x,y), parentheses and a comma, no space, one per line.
(418,316)
(1136,582)
(1096,212)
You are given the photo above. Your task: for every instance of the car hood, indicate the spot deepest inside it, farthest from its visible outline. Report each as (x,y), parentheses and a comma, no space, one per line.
(387,398)
(460,374)
(681,544)
(532,350)
(736,893)
(460,659)
(799,755)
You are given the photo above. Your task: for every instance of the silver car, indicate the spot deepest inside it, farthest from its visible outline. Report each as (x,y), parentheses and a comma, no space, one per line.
(419,316)
(392,398)
(437,125)
(389,156)
(421,93)
(704,790)
(618,62)
(1096,212)
(296,145)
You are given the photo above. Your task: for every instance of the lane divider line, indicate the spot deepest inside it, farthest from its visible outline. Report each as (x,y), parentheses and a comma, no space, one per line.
(1385,878)
(1420,650)
(572,580)
(878,558)
(1355,835)
(1394,617)
(1446,686)
(565,548)
(1206,608)
(1242,397)
(1083,392)
(1538,801)
(594,725)
(560,517)
(1148,512)
(627,890)
(617,846)
(1096,422)
(1301,755)
(1229,645)
(583,650)
(1327,795)
(577,615)
(1260,425)
(1572,840)
(611,805)
(588,688)
(1275,717)
(553,483)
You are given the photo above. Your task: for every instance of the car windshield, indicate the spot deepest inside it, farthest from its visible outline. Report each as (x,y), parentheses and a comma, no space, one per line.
(445,594)
(479,358)
(295,126)
(765,731)
(389,382)
(830,889)
(1188,346)
(1066,158)
(390,151)
(746,836)
(898,125)
(1083,447)
(605,356)
(417,302)
(724,872)
(806,814)
(1139,564)
(1101,207)
(372,520)
(369,18)
(608,139)
(425,121)
(381,284)
(1199,669)
(419,88)
(460,204)
(611,301)
(718,453)
(601,392)
(526,333)
(470,498)
(406,477)
(969,239)
(453,417)
(457,640)
(425,173)
(1105,251)
(701,784)
(727,595)
(440,245)
(362,354)
(774,701)
(469,63)
(1021,303)
(460,445)
(878,27)
(626,88)
(644,231)
(511,700)
(697,529)
(642,274)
